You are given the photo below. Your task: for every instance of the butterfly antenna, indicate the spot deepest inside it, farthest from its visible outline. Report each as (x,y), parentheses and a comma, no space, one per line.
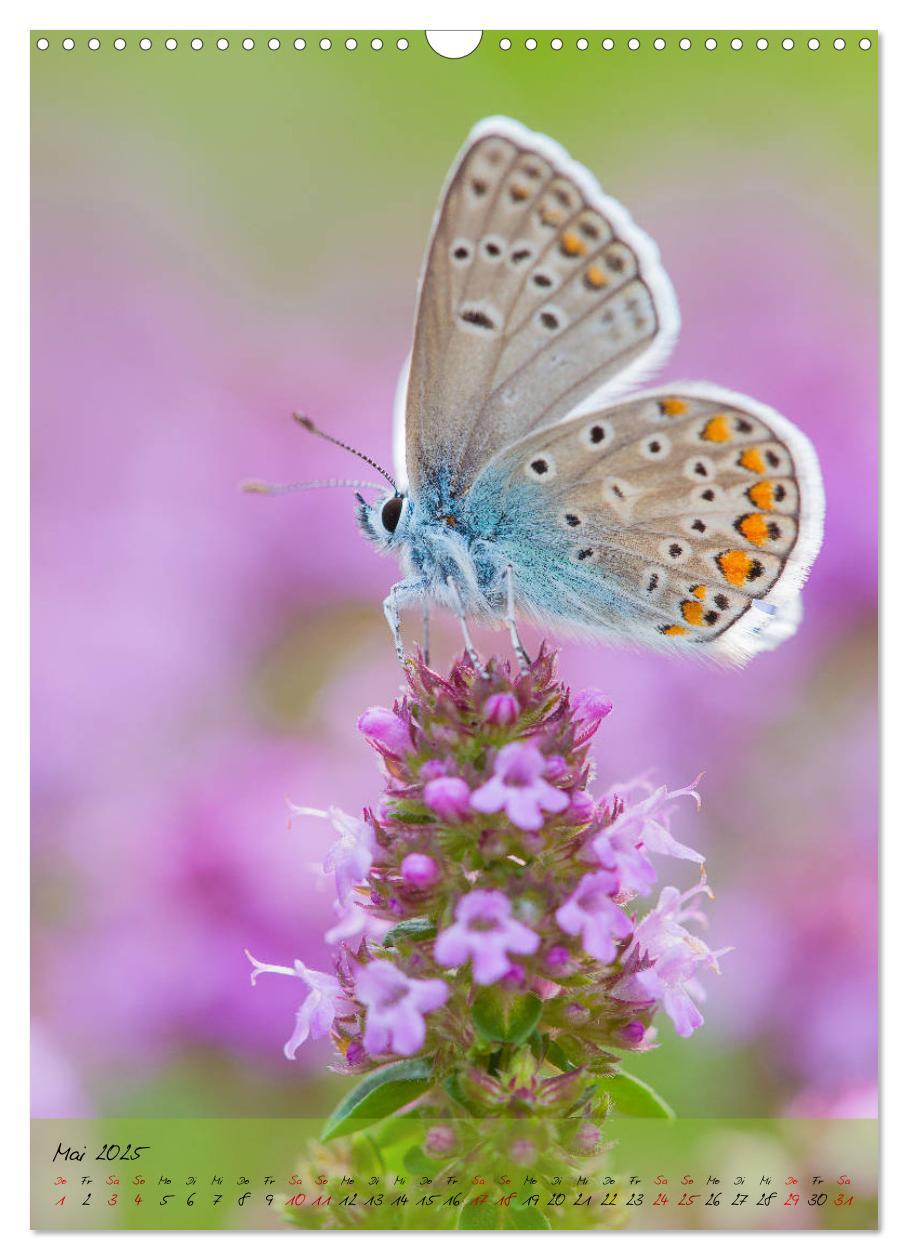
(312,428)
(270,487)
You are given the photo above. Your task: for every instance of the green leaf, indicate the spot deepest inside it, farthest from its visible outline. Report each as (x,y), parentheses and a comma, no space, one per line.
(453,1089)
(490,1216)
(378,1095)
(409,930)
(502,1016)
(482,1216)
(411,812)
(555,1054)
(633,1097)
(417,1162)
(366,1158)
(402,1131)
(528,1218)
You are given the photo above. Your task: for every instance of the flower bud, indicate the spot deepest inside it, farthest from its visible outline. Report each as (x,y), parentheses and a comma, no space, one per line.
(558,959)
(591,705)
(582,808)
(556,767)
(588,1139)
(385,731)
(419,869)
(355,1054)
(514,977)
(632,1034)
(501,709)
(523,1152)
(449,798)
(441,1140)
(480,1088)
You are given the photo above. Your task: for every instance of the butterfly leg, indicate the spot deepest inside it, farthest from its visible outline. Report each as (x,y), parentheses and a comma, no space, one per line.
(399,592)
(425,630)
(511,622)
(465,629)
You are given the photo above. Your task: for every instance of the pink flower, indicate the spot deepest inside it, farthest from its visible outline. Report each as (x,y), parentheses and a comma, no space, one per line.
(589,708)
(627,861)
(645,823)
(351,925)
(672,982)
(448,797)
(419,869)
(676,955)
(592,914)
(501,709)
(317,1013)
(518,788)
(583,806)
(385,731)
(395,1006)
(485,932)
(664,926)
(350,857)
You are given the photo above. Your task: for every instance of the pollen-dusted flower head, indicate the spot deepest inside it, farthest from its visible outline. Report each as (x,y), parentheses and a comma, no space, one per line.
(497,945)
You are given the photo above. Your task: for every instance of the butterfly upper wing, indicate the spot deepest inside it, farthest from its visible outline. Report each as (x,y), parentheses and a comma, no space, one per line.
(685,516)
(537,290)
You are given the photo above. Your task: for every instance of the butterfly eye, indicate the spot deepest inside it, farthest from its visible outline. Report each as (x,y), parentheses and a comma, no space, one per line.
(390,513)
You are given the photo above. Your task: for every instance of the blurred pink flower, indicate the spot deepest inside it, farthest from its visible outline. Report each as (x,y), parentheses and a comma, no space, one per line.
(352,853)
(395,1006)
(518,787)
(320,1008)
(676,956)
(593,915)
(485,932)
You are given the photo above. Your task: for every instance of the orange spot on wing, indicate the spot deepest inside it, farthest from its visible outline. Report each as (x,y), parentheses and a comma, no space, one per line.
(519,192)
(572,245)
(752,460)
(595,276)
(674,630)
(716,429)
(735,566)
(698,592)
(672,407)
(551,218)
(692,611)
(754,528)
(760,495)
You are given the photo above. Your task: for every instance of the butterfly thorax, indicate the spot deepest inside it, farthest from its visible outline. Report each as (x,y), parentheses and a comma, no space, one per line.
(442,534)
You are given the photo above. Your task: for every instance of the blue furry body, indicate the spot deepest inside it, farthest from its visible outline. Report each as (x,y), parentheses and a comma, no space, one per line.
(472,538)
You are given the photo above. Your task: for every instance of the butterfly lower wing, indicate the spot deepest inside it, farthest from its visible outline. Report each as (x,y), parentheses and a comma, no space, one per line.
(687,517)
(537,290)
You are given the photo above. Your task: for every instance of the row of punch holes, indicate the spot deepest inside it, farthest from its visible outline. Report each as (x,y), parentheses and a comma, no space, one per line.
(530,43)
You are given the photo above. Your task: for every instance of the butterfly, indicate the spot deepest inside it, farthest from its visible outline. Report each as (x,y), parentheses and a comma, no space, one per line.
(686,517)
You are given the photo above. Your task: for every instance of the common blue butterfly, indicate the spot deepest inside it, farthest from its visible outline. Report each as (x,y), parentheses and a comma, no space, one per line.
(684,517)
